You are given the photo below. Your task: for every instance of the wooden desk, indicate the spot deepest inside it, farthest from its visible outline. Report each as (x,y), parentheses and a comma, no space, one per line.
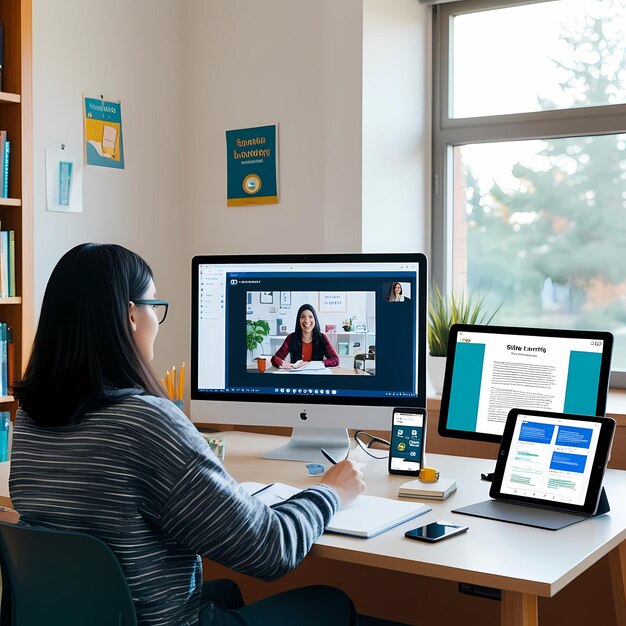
(526,563)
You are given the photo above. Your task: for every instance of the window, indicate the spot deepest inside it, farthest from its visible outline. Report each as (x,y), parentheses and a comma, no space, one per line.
(529,160)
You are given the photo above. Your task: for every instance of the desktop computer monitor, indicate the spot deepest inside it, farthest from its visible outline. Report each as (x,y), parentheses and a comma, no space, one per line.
(370,357)
(493,369)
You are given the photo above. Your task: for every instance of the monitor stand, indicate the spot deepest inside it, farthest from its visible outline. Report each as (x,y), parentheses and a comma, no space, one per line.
(305,445)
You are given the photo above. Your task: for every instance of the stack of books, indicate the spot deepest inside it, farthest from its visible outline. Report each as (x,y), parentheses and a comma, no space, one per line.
(439,490)
(7,264)
(5,150)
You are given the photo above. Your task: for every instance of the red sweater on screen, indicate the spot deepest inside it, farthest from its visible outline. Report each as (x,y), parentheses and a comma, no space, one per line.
(330,356)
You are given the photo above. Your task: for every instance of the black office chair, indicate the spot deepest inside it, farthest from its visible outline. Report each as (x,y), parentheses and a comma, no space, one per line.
(58,577)
(366,362)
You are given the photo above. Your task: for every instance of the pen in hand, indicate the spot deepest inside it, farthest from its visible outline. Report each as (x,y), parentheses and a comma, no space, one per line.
(330,458)
(346,478)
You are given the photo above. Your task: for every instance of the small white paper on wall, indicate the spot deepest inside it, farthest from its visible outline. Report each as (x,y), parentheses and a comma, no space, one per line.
(64,181)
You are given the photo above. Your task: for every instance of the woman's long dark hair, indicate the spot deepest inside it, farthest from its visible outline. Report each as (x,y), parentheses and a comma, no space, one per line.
(295,344)
(392,291)
(84,349)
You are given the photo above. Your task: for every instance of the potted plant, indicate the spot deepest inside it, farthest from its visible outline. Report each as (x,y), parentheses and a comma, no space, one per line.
(469,308)
(256,332)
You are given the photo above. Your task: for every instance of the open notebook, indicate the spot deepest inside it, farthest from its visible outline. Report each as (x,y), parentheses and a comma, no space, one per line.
(365,517)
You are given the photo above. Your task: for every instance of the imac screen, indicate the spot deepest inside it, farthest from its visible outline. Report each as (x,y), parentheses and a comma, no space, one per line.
(327,329)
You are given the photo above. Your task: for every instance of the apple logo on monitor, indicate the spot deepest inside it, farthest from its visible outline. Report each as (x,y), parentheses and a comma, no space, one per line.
(303,416)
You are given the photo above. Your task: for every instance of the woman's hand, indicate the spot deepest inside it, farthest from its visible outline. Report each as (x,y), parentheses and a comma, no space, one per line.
(346,478)
(292,366)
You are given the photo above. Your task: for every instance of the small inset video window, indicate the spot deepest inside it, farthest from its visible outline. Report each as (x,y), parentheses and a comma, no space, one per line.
(397,291)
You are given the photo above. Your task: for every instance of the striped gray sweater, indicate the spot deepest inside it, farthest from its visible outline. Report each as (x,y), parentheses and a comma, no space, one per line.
(139,476)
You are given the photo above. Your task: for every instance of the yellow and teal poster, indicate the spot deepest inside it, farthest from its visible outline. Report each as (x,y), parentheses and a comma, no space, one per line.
(252,166)
(103,133)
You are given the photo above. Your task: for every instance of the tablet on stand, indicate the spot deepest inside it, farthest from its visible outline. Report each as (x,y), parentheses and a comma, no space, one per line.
(549,470)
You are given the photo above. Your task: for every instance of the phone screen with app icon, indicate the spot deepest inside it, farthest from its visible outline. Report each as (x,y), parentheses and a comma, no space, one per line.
(407,441)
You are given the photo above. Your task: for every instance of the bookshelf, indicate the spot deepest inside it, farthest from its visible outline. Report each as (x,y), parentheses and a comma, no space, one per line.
(16,211)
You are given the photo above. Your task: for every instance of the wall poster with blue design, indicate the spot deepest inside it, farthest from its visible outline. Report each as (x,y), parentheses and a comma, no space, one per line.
(103,133)
(252,166)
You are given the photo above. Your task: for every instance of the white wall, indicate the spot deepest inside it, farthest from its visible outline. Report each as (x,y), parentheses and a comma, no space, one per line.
(131,51)
(396,127)
(345,80)
(295,62)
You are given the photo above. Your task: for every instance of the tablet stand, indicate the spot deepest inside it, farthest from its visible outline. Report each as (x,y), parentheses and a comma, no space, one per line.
(603,504)
(539,517)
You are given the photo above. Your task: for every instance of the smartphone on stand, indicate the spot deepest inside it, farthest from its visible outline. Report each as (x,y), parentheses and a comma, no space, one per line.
(408,440)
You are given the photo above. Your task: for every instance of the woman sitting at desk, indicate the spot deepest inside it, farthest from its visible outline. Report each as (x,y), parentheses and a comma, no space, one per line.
(98,449)
(306,344)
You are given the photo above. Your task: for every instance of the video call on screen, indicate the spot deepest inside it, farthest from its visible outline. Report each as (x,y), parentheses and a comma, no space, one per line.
(373,337)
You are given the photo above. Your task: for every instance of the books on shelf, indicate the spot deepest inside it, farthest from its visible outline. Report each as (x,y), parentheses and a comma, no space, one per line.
(366,516)
(439,490)
(5,169)
(5,150)
(7,264)
(5,367)
(12,290)
(4,263)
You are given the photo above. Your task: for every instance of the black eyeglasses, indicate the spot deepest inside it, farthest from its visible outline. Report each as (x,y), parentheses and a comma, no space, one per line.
(159,306)
(376,447)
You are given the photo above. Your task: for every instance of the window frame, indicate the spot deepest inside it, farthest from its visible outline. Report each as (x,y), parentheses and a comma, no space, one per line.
(449,133)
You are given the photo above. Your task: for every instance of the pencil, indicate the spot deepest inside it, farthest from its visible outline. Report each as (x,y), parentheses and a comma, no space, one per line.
(181,382)
(174,387)
(168,378)
(330,458)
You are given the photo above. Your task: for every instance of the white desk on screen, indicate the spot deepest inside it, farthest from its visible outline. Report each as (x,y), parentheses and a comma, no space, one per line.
(525,563)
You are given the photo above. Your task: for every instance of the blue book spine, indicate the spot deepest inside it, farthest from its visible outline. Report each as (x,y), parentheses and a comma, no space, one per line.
(5,418)
(12,264)
(4,263)
(5,173)
(5,360)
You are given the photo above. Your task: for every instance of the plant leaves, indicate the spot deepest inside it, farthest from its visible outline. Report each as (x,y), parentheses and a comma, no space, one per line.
(443,312)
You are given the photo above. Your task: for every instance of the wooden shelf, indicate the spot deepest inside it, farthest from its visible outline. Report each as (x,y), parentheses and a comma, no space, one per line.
(10,98)
(16,212)
(10,202)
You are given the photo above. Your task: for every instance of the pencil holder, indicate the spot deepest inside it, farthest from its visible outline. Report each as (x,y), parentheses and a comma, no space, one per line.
(217,445)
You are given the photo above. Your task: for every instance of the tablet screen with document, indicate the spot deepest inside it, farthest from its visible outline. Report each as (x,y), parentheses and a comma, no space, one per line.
(493,369)
(554,460)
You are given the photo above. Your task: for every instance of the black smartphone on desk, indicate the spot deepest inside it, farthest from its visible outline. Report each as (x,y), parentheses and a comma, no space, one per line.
(408,439)
(437,531)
